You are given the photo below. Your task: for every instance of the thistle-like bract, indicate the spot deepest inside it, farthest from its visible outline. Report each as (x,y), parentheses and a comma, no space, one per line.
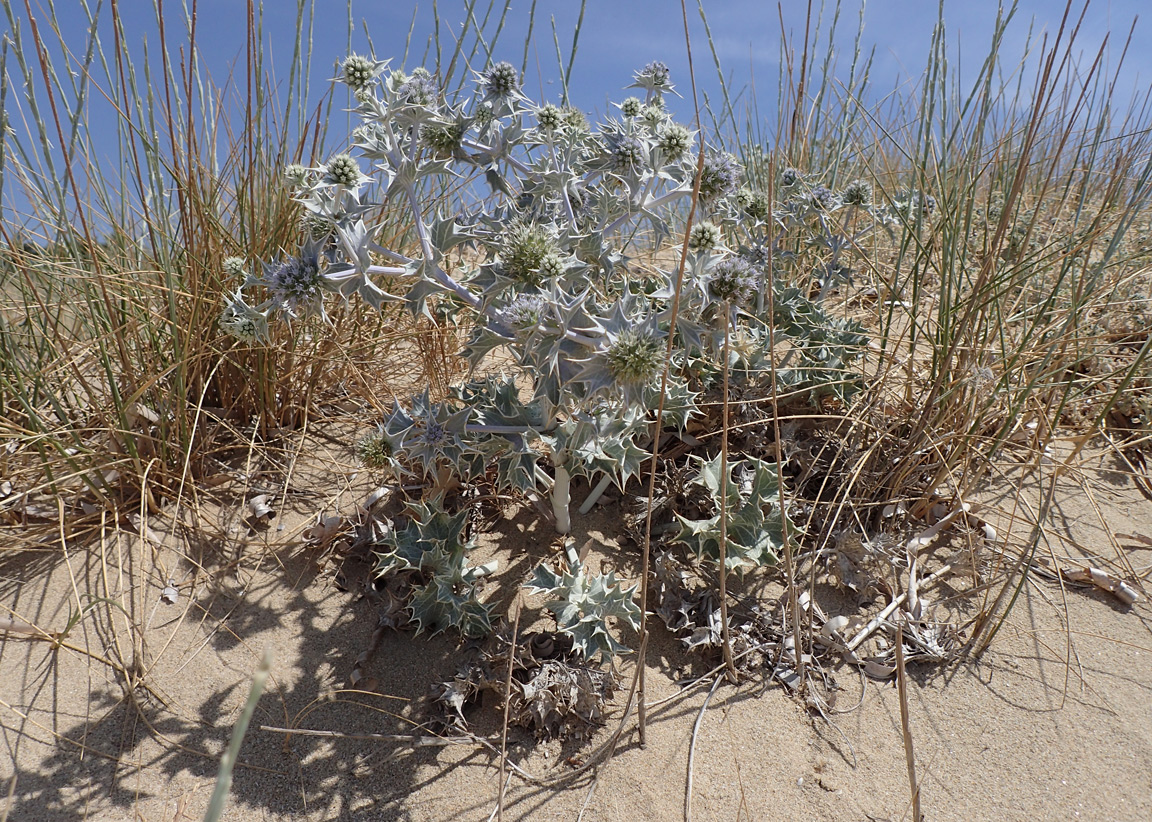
(654,77)
(242,321)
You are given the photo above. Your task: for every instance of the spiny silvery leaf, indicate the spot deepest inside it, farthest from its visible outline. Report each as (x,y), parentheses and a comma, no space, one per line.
(679,403)
(603,441)
(446,233)
(425,286)
(433,544)
(430,529)
(753,538)
(449,598)
(465,613)
(584,604)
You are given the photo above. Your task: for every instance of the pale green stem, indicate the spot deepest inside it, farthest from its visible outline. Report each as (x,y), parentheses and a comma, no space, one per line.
(561,496)
(596,493)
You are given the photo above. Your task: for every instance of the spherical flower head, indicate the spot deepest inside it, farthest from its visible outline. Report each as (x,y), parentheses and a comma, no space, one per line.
(374,450)
(419,89)
(654,77)
(823,198)
(720,176)
(501,80)
(549,117)
(551,266)
(654,115)
(574,119)
(628,155)
(789,177)
(483,115)
(525,312)
(733,281)
(753,203)
(358,72)
(524,248)
(632,107)
(705,236)
(442,138)
(342,170)
(857,193)
(674,140)
(235,267)
(635,357)
(295,174)
(315,226)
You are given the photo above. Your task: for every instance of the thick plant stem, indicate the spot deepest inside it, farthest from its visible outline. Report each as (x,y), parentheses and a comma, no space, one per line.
(561,496)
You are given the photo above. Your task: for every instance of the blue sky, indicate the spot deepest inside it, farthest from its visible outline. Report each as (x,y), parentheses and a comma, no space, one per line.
(619,36)
(616,38)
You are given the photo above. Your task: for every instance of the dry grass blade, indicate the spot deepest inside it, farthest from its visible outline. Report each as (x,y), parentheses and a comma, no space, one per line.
(905,725)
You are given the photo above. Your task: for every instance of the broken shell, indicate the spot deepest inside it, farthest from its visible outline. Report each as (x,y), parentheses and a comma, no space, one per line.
(261,510)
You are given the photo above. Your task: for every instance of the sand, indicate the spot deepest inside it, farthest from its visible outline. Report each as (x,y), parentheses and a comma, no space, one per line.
(1053,722)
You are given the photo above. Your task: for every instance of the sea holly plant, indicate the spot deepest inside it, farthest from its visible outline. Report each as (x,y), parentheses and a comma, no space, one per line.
(755,533)
(584,603)
(530,221)
(433,550)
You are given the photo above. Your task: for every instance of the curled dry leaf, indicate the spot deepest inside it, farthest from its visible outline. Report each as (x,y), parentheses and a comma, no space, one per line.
(141,415)
(376,496)
(878,669)
(832,631)
(323,532)
(1104,581)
